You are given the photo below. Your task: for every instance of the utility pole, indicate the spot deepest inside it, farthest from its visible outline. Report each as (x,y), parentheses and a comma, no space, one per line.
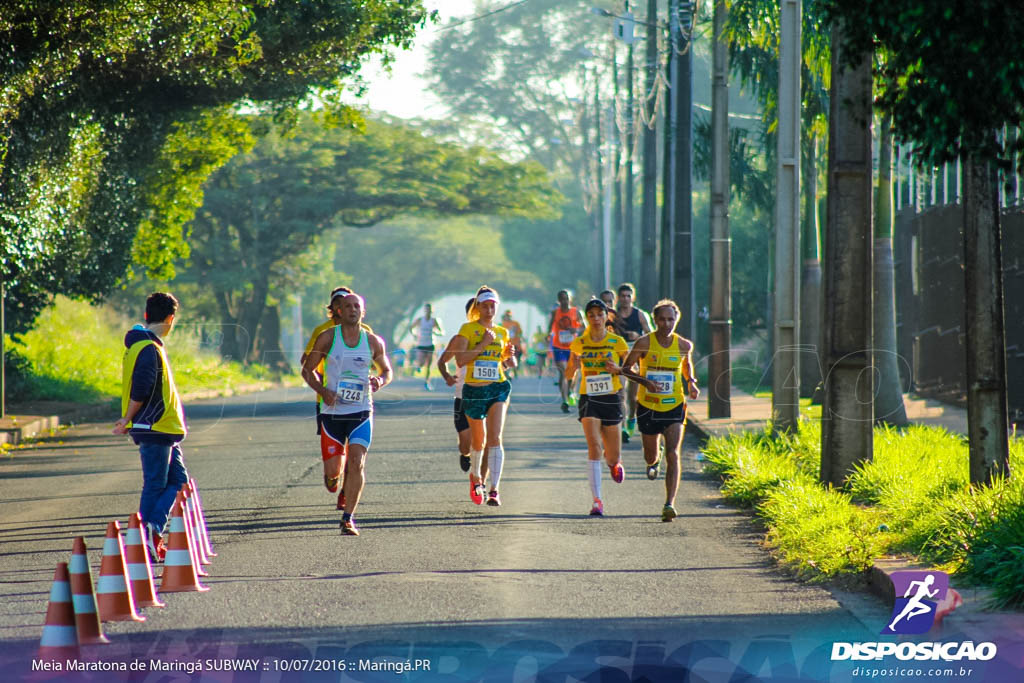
(682,280)
(786,360)
(668,207)
(629,252)
(847,410)
(719,370)
(616,139)
(602,194)
(648,270)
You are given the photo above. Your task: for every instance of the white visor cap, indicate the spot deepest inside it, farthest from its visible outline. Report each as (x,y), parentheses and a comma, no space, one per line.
(487,296)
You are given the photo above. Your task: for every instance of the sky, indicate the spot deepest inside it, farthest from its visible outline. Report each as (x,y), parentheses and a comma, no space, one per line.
(403,93)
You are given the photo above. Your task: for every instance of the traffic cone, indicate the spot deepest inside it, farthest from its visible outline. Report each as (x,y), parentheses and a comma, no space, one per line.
(179,569)
(60,640)
(193,534)
(83,596)
(114,597)
(192,514)
(203,528)
(140,572)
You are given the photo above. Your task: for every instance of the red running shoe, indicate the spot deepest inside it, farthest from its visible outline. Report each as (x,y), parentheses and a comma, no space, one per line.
(618,472)
(476,490)
(341,499)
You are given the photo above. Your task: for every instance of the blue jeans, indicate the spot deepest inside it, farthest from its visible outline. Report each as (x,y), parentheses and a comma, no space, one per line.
(163,475)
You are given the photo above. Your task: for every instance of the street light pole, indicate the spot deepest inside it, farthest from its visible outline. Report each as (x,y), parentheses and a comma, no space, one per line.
(682,280)
(628,253)
(669,209)
(648,270)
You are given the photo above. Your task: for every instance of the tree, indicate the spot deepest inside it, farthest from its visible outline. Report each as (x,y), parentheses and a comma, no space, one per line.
(401,264)
(951,80)
(264,209)
(112,115)
(529,72)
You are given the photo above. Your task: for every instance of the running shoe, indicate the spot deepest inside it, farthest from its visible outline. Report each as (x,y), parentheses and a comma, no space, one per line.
(597,510)
(618,472)
(625,436)
(426,385)
(631,426)
(464,462)
(654,469)
(668,513)
(476,490)
(492,498)
(572,399)
(331,483)
(154,544)
(348,527)
(565,407)
(341,499)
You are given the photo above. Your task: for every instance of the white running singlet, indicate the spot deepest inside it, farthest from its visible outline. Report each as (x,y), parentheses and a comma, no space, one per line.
(347,372)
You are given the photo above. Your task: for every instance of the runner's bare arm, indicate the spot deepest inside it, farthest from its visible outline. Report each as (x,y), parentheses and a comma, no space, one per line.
(571,367)
(639,350)
(467,354)
(383,363)
(442,362)
(312,361)
(686,348)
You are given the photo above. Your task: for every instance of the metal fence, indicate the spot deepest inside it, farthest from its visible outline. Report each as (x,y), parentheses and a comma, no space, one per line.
(930,301)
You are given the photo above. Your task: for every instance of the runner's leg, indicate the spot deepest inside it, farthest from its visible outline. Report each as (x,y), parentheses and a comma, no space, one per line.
(495,451)
(673,439)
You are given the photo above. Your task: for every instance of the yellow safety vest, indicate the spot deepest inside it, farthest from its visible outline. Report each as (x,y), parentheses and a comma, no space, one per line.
(172,421)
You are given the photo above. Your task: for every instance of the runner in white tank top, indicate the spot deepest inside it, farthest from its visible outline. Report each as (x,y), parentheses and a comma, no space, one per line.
(425,328)
(349,352)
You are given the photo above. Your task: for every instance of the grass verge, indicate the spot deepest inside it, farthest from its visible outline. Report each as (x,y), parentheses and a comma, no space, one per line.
(74,354)
(914,498)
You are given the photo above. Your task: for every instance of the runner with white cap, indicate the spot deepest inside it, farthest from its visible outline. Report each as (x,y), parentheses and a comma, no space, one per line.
(483,348)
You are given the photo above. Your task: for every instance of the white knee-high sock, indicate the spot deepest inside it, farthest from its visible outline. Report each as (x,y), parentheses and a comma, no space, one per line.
(474,462)
(495,459)
(594,476)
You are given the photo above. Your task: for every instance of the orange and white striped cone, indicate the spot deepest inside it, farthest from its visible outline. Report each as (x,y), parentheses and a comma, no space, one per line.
(193,530)
(192,513)
(193,540)
(204,530)
(140,571)
(179,566)
(60,638)
(113,596)
(83,596)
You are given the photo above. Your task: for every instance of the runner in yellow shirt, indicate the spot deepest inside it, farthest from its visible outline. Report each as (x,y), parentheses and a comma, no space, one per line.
(666,380)
(483,348)
(600,407)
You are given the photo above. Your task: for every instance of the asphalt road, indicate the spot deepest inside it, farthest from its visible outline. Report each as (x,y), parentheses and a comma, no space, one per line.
(480,592)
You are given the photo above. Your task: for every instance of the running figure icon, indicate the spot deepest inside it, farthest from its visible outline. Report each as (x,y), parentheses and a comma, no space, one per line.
(915,607)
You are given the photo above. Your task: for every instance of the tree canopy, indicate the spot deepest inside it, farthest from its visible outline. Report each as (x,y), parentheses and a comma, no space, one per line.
(266,208)
(953,74)
(113,114)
